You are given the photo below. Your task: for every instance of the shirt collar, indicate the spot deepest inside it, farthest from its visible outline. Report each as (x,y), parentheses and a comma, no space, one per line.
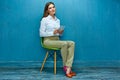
(50,17)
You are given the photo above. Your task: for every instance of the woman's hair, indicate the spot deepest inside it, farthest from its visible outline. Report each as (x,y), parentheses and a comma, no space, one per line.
(46,9)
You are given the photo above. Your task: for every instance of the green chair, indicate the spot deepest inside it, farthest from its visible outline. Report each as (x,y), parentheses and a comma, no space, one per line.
(47,53)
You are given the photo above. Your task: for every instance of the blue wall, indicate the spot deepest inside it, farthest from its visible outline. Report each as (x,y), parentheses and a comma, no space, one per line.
(93,24)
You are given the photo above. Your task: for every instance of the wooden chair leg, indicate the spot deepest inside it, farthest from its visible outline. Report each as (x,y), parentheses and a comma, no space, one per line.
(44,61)
(54,62)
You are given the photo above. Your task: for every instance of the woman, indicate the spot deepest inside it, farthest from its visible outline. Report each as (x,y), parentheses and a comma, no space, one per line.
(49,29)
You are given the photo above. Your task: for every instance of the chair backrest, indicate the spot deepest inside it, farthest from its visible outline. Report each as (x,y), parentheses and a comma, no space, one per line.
(51,48)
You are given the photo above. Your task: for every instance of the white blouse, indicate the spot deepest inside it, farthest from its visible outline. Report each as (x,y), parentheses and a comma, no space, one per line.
(48,25)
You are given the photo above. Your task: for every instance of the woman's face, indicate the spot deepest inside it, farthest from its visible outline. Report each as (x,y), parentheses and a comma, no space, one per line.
(51,9)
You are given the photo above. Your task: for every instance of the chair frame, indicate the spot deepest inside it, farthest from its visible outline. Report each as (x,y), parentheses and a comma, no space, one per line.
(47,53)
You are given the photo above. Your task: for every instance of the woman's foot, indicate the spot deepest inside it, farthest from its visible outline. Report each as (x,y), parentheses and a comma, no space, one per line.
(68,70)
(69,73)
(72,73)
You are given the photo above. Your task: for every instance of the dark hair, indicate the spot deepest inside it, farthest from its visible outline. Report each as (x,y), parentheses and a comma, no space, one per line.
(45,14)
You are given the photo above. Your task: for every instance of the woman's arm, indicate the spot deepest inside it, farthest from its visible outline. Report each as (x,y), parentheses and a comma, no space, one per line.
(43,31)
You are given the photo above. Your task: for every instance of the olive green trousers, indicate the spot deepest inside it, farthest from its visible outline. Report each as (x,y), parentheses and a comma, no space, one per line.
(67,48)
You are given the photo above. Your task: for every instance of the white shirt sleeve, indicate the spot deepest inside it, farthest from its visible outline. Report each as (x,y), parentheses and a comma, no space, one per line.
(42,30)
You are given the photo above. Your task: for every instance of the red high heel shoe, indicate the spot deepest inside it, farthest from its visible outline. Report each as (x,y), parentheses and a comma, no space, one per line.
(65,69)
(72,73)
(69,75)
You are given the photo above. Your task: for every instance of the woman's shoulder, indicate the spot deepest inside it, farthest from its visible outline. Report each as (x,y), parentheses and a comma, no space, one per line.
(58,20)
(44,19)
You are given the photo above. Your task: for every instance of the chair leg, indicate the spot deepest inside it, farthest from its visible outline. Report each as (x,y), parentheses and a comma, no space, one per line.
(54,62)
(44,61)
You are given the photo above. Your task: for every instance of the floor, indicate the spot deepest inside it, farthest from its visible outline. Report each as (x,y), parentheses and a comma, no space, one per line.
(88,73)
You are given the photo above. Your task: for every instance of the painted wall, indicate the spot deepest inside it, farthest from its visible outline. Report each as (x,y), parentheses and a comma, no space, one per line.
(94,25)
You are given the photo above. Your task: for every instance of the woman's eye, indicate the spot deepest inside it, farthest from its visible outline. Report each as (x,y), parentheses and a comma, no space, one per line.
(50,8)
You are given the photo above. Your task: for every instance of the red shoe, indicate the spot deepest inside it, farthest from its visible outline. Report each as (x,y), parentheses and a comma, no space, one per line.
(69,75)
(72,73)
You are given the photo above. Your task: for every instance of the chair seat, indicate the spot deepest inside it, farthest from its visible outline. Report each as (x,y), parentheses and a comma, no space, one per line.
(51,48)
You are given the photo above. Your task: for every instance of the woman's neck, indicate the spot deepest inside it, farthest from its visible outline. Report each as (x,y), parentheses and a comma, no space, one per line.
(53,16)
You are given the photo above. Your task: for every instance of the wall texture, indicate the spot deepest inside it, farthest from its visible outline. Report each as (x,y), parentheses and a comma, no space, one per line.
(94,25)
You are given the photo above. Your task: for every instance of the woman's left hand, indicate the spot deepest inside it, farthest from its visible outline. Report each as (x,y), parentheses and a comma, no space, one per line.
(61,31)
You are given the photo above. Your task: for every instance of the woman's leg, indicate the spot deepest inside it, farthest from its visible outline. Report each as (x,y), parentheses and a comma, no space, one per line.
(69,59)
(70,54)
(58,44)
(67,52)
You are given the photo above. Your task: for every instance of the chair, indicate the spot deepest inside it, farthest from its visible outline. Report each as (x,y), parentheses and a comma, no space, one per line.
(47,53)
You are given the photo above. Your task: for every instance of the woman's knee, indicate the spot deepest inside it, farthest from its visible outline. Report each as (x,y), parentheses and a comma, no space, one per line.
(64,43)
(72,43)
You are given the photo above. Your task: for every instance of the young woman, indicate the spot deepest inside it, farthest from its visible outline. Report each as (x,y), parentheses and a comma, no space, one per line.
(49,29)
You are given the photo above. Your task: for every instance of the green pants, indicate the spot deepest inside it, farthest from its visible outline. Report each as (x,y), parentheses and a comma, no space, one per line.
(67,49)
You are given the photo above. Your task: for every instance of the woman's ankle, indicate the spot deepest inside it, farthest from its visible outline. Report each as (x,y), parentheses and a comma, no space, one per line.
(68,69)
